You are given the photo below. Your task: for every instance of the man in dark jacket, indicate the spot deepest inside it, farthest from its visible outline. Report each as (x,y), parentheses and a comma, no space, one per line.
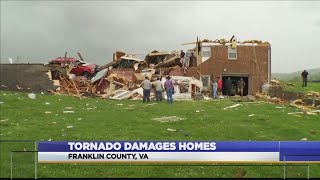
(304,76)
(228,86)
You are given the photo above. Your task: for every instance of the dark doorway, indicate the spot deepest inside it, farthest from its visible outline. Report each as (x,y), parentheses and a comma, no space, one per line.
(234,89)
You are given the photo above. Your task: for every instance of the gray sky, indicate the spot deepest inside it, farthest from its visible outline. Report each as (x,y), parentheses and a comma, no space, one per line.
(38,31)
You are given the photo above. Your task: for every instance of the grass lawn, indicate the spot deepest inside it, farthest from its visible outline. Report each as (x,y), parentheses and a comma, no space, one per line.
(106,120)
(298,88)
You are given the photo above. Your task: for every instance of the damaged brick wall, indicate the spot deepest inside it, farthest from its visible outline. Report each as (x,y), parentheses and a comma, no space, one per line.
(219,64)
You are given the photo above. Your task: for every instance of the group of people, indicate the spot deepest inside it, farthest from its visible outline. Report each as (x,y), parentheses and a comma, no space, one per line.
(159,89)
(217,87)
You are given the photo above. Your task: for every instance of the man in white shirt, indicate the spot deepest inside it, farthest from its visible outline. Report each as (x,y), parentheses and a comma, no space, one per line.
(146,86)
(159,88)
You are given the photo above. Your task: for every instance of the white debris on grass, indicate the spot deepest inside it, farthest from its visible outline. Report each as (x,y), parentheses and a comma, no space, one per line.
(250,115)
(79,119)
(49,139)
(68,111)
(69,127)
(1,102)
(197,111)
(47,103)
(306,112)
(4,120)
(172,130)
(280,107)
(68,108)
(151,104)
(54,122)
(168,119)
(304,139)
(47,112)
(233,106)
(89,108)
(119,104)
(32,96)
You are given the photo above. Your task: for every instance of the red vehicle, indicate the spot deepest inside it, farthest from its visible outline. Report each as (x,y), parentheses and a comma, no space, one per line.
(81,68)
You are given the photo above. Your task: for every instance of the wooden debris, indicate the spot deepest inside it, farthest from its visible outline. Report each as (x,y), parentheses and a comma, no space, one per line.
(233,106)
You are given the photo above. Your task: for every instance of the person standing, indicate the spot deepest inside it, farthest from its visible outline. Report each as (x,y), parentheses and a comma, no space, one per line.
(241,85)
(182,61)
(146,86)
(304,76)
(159,88)
(214,89)
(168,85)
(193,60)
(219,86)
(188,55)
(228,86)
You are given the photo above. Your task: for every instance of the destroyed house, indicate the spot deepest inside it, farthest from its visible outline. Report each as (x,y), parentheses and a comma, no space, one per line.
(250,61)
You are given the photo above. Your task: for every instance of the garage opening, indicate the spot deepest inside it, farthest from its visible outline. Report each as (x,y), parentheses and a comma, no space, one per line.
(234,89)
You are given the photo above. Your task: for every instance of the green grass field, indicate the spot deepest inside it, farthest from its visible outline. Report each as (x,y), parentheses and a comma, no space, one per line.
(97,119)
(298,88)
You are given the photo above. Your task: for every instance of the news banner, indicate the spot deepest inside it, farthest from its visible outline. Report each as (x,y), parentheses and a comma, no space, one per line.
(178,151)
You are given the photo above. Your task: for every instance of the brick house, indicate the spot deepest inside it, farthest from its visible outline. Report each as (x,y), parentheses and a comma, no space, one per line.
(250,61)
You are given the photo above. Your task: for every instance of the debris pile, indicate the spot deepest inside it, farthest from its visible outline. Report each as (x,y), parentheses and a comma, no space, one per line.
(121,79)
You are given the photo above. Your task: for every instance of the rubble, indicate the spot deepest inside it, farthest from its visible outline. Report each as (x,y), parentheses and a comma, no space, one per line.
(121,78)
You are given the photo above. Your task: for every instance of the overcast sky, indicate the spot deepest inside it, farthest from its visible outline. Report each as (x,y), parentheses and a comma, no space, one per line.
(38,31)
